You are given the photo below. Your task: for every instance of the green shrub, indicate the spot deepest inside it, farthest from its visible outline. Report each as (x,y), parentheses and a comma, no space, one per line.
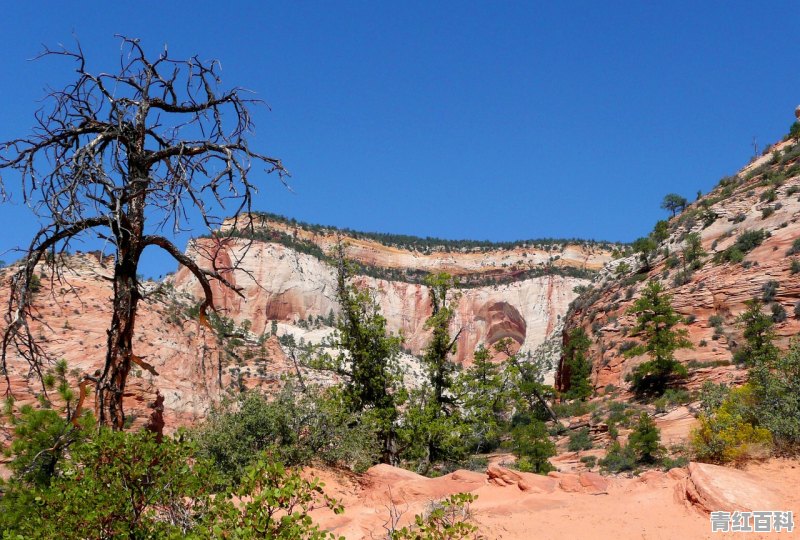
(295,429)
(795,249)
(645,441)
(794,267)
(618,459)
(580,440)
(727,433)
(533,447)
(778,313)
(448,519)
(589,461)
(794,131)
(769,290)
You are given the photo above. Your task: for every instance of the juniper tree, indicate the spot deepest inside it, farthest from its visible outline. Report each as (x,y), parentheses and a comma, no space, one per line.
(122,156)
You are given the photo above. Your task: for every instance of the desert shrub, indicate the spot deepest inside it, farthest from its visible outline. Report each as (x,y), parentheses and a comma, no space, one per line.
(618,459)
(571,408)
(767,211)
(294,429)
(580,440)
(778,313)
(589,461)
(727,433)
(794,266)
(769,290)
(794,131)
(795,249)
(114,485)
(768,196)
(746,242)
(448,519)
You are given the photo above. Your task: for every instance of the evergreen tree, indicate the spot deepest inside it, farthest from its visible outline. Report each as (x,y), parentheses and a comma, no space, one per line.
(367,358)
(578,365)
(645,441)
(656,321)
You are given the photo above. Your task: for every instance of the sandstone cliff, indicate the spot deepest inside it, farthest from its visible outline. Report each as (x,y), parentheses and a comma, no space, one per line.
(763,199)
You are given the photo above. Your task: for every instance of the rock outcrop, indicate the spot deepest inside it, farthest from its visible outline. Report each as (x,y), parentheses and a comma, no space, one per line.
(761,197)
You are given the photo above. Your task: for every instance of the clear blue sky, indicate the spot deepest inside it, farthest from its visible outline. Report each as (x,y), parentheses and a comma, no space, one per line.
(485,120)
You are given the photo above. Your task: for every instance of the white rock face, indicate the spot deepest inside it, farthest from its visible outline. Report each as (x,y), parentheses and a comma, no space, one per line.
(281,284)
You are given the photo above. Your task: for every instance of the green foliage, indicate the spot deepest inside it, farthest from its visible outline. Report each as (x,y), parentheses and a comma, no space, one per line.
(778,313)
(294,428)
(794,131)
(580,440)
(660,231)
(448,519)
(270,502)
(674,203)
(114,485)
(795,249)
(645,440)
(578,367)
(367,357)
(618,458)
(532,445)
(486,400)
(34,284)
(759,334)
(693,250)
(769,290)
(656,320)
(746,242)
(645,247)
(728,432)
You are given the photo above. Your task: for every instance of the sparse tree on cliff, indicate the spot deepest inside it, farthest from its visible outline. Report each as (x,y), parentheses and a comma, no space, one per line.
(121,156)
(674,203)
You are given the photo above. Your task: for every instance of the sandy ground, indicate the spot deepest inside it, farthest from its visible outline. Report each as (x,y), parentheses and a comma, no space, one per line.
(513,505)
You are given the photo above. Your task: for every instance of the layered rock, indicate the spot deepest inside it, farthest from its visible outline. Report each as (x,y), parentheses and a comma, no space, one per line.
(279,283)
(763,196)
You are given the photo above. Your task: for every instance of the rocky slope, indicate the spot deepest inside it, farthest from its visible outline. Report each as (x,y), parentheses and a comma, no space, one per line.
(761,200)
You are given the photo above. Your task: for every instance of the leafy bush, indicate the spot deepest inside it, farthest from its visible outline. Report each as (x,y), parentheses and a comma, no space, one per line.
(769,290)
(618,459)
(295,429)
(768,196)
(746,242)
(794,131)
(448,519)
(795,249)
(778,313)
(589,461)
(580,440)
(727,433)
(270,502)
(532,446)
(794,266)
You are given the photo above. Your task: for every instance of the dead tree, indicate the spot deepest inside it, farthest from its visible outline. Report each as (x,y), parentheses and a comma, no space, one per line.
(123,156)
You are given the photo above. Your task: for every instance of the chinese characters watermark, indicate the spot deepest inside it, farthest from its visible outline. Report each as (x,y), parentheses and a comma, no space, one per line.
(756,521)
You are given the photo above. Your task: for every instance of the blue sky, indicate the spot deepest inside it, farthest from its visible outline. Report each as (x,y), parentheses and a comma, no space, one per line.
(485,120)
